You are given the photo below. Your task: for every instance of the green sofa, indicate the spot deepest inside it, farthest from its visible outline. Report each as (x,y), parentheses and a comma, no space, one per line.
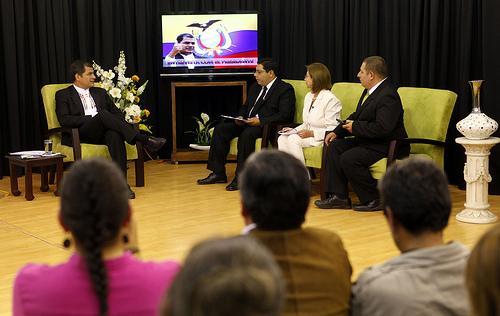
(427,115)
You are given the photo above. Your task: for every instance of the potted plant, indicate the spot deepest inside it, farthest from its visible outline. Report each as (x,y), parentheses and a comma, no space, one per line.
(203,132)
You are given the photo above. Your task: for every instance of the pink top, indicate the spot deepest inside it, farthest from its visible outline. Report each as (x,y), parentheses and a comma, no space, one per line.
(135,287)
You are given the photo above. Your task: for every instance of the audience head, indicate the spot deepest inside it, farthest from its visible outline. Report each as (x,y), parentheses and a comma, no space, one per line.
(483,275)
(372,70)
(226,277)
(266,71)
(320,77)
(82,73)
(275,189)
(416,197)
(95,219)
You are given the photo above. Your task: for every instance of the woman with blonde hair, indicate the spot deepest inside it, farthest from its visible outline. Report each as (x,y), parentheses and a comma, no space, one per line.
(320,113)
(483,275)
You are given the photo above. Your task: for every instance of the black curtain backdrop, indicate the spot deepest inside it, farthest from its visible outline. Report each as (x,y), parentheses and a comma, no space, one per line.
(427,43)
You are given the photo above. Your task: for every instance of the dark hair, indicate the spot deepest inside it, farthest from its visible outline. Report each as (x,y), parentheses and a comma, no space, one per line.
(268,64)
(482,275)
(320,75)
(416,191)
(275,189)
(78,67)
(94,218)
(377,65)
(180,37)
(226,277)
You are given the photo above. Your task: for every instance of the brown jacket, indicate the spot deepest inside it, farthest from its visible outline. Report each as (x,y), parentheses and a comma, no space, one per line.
(316,269)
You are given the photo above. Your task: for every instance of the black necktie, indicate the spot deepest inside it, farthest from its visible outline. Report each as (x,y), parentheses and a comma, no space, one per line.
(259,100)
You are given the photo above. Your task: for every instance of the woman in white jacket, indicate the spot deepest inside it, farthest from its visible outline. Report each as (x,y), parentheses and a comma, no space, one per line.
(320,113)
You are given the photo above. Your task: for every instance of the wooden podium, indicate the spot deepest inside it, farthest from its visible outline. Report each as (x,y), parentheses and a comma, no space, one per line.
(191,154)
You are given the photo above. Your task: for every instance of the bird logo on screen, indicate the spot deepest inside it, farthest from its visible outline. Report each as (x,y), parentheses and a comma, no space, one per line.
(204,26)
(212,40)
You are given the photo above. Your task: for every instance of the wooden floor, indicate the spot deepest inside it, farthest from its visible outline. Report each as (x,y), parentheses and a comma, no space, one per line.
(173,213)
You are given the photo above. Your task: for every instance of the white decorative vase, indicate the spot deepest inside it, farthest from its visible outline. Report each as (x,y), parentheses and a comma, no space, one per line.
(477,125)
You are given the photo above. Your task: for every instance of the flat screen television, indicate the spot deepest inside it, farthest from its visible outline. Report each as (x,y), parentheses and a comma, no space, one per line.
(209,43)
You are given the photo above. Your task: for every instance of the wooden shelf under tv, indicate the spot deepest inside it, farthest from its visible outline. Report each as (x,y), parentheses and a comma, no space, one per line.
(179,154)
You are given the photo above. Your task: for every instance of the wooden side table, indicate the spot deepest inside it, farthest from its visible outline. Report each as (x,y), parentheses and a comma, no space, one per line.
(28,164)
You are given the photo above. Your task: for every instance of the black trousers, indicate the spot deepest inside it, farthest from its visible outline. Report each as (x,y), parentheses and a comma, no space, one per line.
(111,130)
(347,162)
(221,140)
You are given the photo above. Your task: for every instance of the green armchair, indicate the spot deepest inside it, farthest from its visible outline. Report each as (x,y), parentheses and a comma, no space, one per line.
(427,114)
(82,150)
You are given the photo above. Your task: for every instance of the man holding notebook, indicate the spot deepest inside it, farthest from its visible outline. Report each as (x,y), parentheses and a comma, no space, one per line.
(269,101)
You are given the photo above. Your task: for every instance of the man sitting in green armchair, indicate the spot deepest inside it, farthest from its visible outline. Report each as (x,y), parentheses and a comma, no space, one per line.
(271,100)
(363,140)
(98,120)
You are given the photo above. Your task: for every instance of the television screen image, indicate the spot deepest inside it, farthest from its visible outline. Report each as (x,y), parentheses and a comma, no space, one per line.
(209,42)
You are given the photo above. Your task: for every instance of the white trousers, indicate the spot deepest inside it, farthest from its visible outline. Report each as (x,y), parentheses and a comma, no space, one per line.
(293,145)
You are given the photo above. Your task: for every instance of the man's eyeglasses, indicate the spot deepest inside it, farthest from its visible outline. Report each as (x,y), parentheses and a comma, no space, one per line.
(259,71)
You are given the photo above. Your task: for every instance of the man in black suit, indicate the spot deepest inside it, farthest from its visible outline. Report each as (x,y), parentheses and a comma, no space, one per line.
(271,100)
(98,120)
(363,140)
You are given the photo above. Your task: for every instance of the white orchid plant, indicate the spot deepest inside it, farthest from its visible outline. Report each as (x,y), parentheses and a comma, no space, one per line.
(204,129)
(124,92)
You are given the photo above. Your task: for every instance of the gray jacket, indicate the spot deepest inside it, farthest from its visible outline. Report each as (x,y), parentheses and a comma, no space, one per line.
(427,281)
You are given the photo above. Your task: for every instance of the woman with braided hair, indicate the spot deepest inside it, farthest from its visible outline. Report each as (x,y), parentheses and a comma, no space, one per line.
(101,277)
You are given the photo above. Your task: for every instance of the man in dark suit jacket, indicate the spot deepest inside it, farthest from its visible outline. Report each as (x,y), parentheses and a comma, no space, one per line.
(378,120)
(98,120)
(270,101)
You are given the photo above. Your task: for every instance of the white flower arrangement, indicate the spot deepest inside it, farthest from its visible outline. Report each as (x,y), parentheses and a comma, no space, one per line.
(124,92)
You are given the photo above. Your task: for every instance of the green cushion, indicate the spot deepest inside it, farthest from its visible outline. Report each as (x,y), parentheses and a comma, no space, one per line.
(348,93)
(313,156)
(88,150)
(427,115)
(233,148)
(378,169)
(49,103)
(300,88)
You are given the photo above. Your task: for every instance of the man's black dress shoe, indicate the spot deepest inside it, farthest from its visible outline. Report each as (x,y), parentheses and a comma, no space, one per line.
(371,206)
(154,144)
(131,194)
(213,178)
(233,186)
(334,202)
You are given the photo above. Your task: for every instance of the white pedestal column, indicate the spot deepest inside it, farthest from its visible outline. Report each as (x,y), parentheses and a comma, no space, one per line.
(477,176)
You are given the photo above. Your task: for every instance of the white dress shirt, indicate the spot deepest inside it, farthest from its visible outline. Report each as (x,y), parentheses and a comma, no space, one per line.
(88,102)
